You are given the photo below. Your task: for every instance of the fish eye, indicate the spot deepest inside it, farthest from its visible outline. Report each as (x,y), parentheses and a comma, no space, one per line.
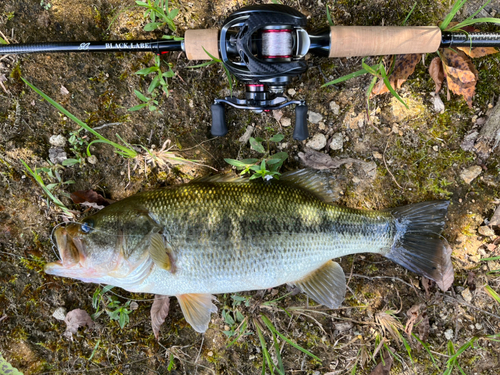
(87,226)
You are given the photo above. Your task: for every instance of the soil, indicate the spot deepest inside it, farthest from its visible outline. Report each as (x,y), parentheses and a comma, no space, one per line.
(416,152)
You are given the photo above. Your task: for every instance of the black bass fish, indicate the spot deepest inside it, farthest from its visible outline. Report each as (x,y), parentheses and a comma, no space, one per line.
(220,235)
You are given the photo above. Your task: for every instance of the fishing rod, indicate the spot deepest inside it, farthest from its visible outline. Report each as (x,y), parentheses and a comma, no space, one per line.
(265,46)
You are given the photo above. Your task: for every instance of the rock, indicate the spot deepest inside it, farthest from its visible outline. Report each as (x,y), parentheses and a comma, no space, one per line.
(92,159)
(317,142)
(64,91)
(448,334)
(335,108)
(337,141)
(59,313)
(353,121)
(471,173)
(285,121)
(370,168)
(467,295)
(377,155)
(315,117)
(57,155)
(495,219)
(58,141)
(469,140)
(486,231)
(291,92)
(438,103)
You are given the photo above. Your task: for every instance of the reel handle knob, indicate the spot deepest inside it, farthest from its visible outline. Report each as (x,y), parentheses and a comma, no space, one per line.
(219,127)
(300,132)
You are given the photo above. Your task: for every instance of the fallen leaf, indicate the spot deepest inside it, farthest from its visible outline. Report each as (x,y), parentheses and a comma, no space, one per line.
(384,367)
(423,328)
(437,73)
(413,314)
(89,196)
(478,51)
(427,283)
(404,66)
(461,75)
(159,312)
(75,319)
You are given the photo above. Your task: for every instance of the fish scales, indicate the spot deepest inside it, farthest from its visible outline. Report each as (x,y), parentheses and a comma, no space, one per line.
(232,236)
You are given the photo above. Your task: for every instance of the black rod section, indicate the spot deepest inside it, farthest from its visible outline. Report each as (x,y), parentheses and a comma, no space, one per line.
(450,40)
(156,46)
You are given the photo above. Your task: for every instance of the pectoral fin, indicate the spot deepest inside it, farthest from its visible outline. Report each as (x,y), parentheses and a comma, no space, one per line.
(197,309)
(326,285)
(161,252)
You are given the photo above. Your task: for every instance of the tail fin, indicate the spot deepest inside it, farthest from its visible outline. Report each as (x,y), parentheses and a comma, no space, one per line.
(418,245)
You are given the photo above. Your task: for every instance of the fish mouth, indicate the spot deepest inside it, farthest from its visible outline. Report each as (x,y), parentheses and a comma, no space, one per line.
(71,251)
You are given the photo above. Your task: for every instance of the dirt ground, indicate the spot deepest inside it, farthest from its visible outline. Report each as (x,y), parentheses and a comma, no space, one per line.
(412,155)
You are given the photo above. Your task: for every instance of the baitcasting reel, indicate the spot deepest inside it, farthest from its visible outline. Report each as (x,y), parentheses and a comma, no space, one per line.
(264,46)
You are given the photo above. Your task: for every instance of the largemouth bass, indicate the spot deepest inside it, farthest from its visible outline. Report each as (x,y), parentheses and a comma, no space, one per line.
(220,235)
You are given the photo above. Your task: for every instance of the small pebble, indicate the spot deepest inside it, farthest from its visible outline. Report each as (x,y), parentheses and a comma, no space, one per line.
(92,159)
(479,326)
(315,117)
(448,334)
(467,295)
(337,142)
(469,174)
(210,354)
(335,108)
(486,231)
(291,92)
(57,141)
(317,142)
(59,313)
(377,155)
(285,121)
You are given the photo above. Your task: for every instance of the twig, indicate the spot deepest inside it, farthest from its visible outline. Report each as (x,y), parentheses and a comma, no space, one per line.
(387,277)
(469,305)
(386,167)
(106,125)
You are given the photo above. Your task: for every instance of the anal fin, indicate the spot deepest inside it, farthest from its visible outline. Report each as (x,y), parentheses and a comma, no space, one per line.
(197,309)
(326,285)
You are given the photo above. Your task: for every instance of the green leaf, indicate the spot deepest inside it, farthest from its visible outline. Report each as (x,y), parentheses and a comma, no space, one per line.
(152,26)
(154,84)
(3,41)
(492,293)
(141,3)
(237,163)
(173,13)
(146,71)
(328,16)
(346,77)
(257,146)
(141,96)
(137,107)
(277,138)
(70,162)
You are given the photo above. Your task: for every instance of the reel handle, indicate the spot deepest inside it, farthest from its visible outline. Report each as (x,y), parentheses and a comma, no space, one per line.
(219,126)
(300,132)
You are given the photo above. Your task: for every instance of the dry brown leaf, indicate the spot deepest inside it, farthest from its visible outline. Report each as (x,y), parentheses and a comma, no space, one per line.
(424,327)
(75,319)
(471,281)
(404,66)
(384,367)
(89,196)
(413,314)
(461,75)
(478,51)
(437,73)
(159,312)
(427,283)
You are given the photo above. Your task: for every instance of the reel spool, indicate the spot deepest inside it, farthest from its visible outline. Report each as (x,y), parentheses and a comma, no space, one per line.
(264,47)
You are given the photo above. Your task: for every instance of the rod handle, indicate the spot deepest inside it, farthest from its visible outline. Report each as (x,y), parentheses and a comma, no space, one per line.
(196,40)
(348,41)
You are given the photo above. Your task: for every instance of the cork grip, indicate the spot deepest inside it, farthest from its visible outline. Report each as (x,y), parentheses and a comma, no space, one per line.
(196,40)
(347,41)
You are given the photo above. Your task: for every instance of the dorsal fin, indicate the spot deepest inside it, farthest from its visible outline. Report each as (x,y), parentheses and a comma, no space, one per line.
(311,180)
(228,177)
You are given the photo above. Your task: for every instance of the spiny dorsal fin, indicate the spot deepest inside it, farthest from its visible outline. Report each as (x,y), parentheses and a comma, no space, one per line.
(161,252)
(197,309)
(326,285)
(311,180)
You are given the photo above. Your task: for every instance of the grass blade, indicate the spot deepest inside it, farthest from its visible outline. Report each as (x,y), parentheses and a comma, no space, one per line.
(492,293)
(130,153)
(388,84)
(269,325)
